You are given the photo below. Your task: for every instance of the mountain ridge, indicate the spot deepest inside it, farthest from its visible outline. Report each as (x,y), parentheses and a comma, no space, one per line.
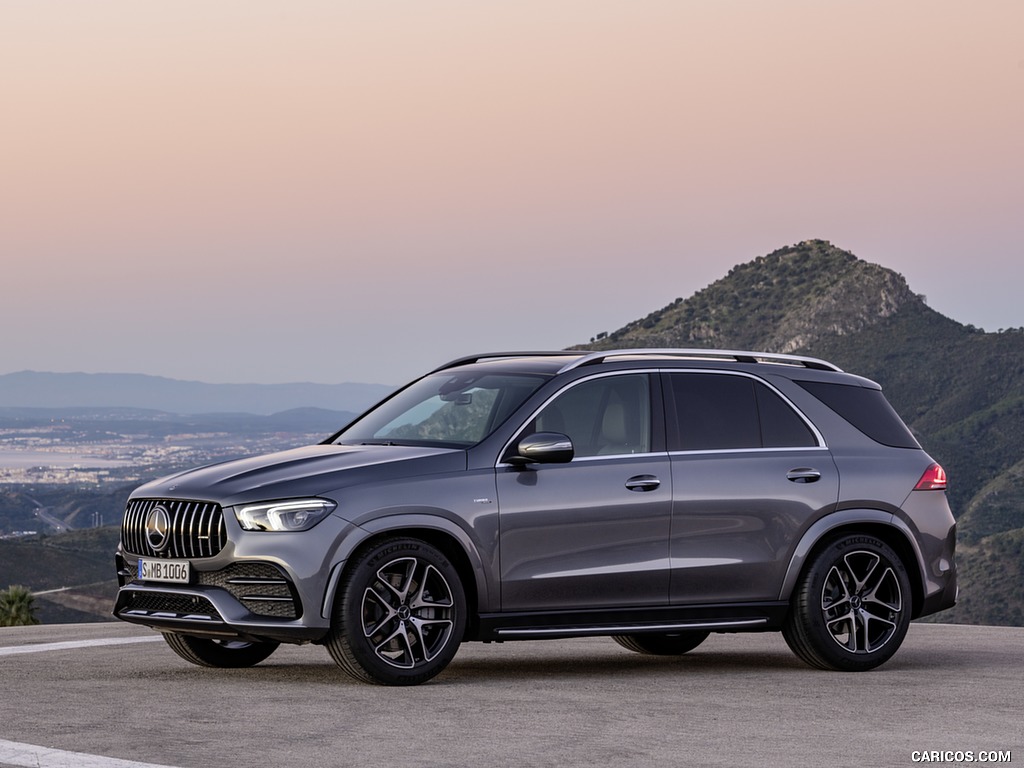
(38,389)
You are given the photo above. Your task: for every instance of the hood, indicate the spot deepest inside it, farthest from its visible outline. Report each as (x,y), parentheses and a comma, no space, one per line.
(309,471)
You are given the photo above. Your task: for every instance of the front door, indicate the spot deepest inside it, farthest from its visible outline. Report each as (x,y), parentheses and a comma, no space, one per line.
(593,532)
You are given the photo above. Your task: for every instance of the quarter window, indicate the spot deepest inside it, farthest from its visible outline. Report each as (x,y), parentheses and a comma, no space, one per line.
(867,409)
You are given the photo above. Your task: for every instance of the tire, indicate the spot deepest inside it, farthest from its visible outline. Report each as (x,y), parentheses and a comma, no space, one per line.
(673,644)
(227,654)
(852,606)
(400,614)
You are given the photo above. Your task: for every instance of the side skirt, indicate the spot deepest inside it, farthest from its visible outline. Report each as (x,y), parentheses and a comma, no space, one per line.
(743,617)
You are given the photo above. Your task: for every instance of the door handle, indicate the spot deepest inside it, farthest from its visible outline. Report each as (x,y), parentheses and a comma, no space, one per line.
(803,475)
(641,483)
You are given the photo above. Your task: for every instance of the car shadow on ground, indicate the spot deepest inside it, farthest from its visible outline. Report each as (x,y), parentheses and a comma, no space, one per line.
(517,667)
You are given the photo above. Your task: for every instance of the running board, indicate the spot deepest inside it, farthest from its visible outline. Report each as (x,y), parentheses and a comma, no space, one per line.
(629,629)
(721,617)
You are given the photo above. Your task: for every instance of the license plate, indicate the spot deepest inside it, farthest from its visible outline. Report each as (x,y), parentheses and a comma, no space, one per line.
(176,571)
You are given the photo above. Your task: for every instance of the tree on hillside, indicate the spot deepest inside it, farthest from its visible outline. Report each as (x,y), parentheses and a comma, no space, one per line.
(16,607)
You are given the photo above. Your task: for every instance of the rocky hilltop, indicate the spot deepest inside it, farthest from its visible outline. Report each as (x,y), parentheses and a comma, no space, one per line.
(786,302)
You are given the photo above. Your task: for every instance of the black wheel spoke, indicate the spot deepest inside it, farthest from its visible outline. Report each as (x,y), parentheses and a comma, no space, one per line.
(377,612)
(396,650)
(397,577)
(861,602)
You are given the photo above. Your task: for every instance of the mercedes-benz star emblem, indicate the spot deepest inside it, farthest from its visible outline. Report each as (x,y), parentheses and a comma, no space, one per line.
(158,528)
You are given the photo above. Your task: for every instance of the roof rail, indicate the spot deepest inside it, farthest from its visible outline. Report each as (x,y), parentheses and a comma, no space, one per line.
(710,354)
(469,359)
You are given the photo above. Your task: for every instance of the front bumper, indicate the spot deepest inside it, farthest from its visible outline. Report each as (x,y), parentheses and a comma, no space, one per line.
(250,600)
(248,585)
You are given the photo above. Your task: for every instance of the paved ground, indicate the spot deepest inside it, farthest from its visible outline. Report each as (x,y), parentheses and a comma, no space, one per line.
(736,700)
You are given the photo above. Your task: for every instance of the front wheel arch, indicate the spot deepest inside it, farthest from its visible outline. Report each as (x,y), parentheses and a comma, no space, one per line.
(447,543)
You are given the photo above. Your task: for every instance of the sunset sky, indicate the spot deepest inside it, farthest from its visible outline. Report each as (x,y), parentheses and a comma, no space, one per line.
(359,190)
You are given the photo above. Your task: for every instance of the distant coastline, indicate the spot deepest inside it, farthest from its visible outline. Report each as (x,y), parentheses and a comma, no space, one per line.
(13,458)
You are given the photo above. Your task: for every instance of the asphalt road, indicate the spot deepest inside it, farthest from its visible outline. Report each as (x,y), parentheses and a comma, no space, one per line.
(737,700)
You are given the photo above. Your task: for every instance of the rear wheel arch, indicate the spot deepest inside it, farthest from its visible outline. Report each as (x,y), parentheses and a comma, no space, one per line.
(852,606)
(883,525)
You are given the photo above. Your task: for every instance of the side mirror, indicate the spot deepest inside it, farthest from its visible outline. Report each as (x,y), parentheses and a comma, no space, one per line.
(543,448)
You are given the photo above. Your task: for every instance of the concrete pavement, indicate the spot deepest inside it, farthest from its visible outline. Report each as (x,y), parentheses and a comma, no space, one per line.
(737,700)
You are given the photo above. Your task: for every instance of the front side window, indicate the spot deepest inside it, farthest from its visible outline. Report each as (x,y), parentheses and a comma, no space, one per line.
(444,409)
(715,412)
(606,416)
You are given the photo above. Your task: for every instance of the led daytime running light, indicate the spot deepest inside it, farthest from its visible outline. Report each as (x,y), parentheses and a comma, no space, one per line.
(294,515)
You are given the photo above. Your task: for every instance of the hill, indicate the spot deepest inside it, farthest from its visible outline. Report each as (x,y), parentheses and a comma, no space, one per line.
(960,390)
(31,389)
(71,574)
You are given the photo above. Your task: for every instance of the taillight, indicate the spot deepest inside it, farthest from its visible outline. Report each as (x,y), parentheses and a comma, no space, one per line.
(933,479)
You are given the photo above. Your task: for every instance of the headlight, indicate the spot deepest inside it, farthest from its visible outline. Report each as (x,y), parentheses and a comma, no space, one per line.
(294,515)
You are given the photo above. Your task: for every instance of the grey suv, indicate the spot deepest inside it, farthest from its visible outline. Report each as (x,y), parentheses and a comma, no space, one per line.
(653,496)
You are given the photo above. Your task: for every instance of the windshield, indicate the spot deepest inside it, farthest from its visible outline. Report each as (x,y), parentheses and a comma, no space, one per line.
(444,409)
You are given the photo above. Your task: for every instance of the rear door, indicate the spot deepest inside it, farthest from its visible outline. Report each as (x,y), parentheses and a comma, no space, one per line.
(748,472)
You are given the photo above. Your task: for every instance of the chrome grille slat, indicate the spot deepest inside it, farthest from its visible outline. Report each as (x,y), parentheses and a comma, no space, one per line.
(197,528)
(201,524)
(132,530)
(190,540)
(182,541)
(214,530)
(209,529)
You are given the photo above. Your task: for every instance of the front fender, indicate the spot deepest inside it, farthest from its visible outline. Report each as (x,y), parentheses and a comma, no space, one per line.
(408,522)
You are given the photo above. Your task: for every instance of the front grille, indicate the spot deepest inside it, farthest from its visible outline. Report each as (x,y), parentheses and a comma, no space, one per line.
(196,528)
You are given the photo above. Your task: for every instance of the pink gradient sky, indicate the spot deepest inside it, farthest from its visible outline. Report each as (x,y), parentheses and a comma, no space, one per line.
(357,191)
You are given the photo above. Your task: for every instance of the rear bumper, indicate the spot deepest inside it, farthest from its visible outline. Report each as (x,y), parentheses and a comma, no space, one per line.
(943,599)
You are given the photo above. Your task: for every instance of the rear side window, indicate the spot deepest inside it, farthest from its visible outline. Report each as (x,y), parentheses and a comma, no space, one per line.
(722,412)
(866,409)
(781,427)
